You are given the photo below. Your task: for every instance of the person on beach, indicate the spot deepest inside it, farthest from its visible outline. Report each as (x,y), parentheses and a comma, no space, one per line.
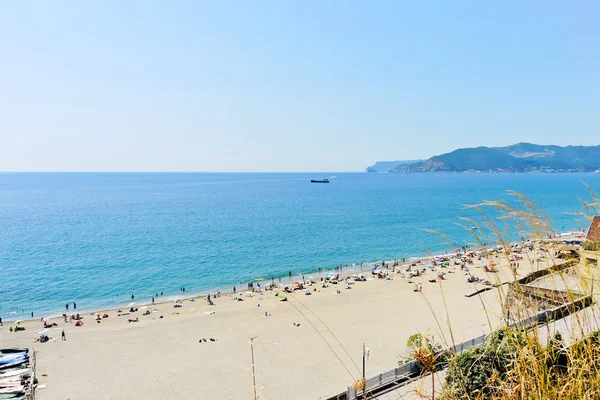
(290,274)
(32,314)
(234,291)
(132,296)
(74,306)
(1,322)
(62,336)
(67,306)
(153,300)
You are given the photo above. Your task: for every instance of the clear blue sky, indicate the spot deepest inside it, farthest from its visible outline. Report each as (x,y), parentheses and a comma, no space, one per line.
(289,86)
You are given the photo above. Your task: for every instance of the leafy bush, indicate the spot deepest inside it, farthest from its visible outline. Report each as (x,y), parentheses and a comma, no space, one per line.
(471,373)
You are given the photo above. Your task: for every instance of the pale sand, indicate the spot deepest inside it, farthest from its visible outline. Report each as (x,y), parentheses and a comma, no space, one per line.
(162,359)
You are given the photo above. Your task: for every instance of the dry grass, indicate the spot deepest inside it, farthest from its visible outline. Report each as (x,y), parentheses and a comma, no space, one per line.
(536,363)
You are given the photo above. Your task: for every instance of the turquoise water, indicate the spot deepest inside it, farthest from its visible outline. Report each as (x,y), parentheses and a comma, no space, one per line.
(94,238)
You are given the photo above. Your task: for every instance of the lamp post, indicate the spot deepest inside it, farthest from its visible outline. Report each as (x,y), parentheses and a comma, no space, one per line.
(253,370)
(364,360)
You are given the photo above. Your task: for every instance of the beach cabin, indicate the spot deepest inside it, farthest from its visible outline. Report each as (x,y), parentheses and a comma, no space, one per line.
(591,246)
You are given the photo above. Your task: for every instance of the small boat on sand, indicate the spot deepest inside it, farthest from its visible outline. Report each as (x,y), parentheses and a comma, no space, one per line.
(14,372)
(12,390)
(319,180)
(15,396)
(12,350)
(18,363)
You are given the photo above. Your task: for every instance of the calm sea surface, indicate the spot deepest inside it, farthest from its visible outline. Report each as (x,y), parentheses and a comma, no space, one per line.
(94,238)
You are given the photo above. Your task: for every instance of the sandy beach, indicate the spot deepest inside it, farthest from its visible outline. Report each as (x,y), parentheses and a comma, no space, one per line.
(158,358)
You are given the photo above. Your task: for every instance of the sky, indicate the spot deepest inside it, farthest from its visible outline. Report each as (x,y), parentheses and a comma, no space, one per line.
(289,86)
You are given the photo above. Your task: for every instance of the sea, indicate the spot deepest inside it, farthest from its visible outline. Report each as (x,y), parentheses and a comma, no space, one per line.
(97,238)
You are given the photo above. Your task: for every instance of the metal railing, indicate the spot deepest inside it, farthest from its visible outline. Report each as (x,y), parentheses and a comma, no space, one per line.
(411,369)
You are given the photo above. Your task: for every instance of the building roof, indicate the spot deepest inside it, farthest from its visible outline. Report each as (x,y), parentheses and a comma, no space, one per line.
(594,232)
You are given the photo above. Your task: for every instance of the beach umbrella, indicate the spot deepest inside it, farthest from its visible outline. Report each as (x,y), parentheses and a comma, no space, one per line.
(131,304)
(296,283)
(19,322)
(457,250)
(282,294)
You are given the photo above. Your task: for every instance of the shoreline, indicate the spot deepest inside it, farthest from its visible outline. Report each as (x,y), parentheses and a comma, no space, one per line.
(170,298)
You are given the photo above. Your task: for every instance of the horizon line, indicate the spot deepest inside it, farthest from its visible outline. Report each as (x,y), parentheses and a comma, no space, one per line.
(179,172)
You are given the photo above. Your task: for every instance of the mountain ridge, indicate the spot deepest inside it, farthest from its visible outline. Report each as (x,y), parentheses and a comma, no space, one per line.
(387,166)
(520,157)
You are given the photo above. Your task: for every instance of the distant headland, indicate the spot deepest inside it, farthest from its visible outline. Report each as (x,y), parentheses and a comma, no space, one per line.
(520,157)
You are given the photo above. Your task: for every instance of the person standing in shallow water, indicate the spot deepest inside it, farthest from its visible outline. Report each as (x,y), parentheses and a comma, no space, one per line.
(74,306)
(132,296)
(234,290)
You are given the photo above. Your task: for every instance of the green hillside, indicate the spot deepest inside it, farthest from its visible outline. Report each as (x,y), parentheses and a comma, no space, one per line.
(521,157)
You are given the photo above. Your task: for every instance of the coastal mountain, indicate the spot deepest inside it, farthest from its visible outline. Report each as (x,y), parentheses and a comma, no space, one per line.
(387,166)
(520,157)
